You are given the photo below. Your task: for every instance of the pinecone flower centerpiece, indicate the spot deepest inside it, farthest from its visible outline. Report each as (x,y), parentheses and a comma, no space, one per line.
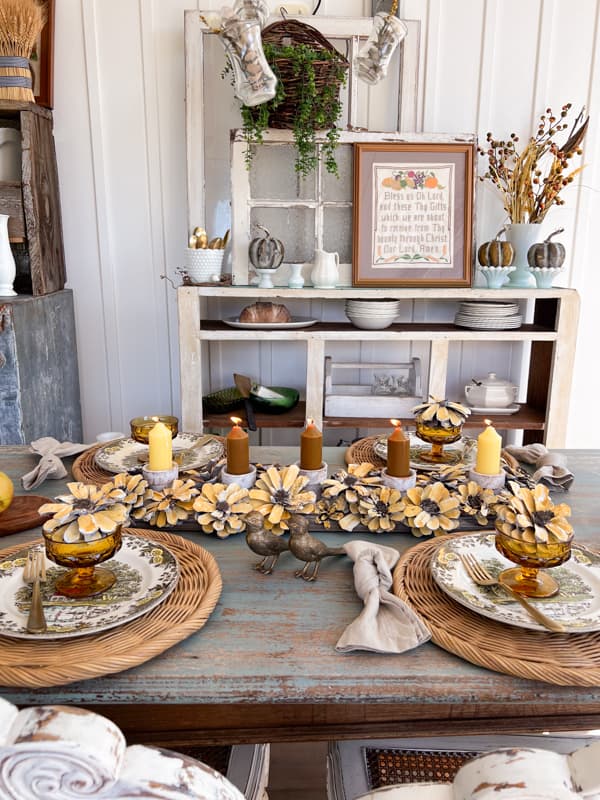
(357,482)
(85,530)
(431,509)
(166,508)
(86,514)
(221,508)
(279,493)
(477,502)
(439,422)
(379,511)
(535,534)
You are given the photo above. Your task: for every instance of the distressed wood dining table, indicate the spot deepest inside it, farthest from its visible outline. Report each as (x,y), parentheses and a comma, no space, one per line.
(264,667)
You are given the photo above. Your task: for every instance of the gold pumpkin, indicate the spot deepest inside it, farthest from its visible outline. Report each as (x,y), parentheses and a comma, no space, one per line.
(496,253)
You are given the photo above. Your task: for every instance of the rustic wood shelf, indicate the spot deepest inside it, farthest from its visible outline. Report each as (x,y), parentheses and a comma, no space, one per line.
(550,336)
(216,330)
(526,418)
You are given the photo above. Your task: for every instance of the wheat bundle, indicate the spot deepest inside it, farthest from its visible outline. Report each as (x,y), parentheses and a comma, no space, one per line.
(21,22)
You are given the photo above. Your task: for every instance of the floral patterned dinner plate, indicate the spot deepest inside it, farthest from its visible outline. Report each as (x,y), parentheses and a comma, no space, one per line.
(461,452)
(146,575)
(576,606)
(190,451)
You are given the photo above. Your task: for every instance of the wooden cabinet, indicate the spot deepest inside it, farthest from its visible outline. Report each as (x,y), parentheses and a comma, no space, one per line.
(547,339)
(33,202)
(39,382)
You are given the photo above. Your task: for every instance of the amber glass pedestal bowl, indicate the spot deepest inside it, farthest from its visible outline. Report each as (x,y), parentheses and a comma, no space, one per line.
(437,437)
(531,557)
(141,426)
(84,578)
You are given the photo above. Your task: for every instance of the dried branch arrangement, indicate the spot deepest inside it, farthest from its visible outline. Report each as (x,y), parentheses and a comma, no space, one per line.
(530,181)
(21,22)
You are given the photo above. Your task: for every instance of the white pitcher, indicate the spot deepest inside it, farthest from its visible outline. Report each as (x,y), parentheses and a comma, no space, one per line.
(7,262)
(326,271)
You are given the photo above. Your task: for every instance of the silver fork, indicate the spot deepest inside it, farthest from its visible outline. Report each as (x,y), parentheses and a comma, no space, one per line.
(34,572)
(479,575)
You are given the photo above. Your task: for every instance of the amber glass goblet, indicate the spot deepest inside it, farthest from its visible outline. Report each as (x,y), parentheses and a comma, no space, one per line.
(141,426)
(437,437)
(531,557)
(84,579)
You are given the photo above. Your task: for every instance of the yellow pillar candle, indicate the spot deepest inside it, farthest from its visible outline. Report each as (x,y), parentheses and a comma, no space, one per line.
(160,444)
(489,445)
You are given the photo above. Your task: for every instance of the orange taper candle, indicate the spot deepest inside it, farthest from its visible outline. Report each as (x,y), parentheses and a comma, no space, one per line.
(311,447)
(398,452)
(238,449)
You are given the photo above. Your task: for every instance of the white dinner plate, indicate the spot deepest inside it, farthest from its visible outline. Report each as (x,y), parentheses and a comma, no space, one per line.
(576,606)
(146,574)
(190,451)
(296,322)
(489,309)
(463,452)
(488,324)
(487,410)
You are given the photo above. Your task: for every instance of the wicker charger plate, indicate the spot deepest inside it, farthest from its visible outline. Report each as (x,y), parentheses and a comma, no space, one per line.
(362,452)
(185,611)
(86,470)
(565,659)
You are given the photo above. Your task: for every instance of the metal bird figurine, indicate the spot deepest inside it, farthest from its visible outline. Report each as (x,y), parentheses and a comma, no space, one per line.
(263,542)
(308,548)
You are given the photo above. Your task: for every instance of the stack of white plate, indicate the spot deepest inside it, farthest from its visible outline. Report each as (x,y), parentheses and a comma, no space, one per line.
(372,315)
(488,316)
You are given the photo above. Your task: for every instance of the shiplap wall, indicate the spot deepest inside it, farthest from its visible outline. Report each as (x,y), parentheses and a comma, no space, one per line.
(119,129)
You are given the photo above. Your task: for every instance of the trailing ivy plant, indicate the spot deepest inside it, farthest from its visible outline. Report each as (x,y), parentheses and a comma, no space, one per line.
(318,108)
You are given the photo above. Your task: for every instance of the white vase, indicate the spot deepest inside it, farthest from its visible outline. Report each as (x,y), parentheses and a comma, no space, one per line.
(522,236)
(8,269)
(296,281)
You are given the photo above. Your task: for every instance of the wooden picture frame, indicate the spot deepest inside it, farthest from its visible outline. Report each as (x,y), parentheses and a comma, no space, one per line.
(413,213)
(42,64)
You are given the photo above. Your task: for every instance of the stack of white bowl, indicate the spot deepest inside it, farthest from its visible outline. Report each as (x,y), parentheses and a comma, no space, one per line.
(372,315)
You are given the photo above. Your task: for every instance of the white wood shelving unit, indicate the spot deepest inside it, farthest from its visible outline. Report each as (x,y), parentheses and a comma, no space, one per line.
(551,335)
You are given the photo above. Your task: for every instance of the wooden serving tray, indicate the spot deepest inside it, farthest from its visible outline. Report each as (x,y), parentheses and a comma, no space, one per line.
(22,514)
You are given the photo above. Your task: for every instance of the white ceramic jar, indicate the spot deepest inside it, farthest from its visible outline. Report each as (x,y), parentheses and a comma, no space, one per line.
(490,392)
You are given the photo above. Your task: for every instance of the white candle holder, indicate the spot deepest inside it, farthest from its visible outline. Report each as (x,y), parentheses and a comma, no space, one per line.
(403,483)
(246,480)
(160,478)
(315,476)
(488,481)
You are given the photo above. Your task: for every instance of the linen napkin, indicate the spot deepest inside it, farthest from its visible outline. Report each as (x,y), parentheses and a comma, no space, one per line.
(50,464)
(386,624)
(550,468)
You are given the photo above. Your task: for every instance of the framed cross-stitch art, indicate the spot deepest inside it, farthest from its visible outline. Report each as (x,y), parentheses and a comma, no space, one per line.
(413,213)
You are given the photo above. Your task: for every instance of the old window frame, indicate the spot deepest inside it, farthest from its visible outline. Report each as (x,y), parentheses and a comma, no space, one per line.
(347,33)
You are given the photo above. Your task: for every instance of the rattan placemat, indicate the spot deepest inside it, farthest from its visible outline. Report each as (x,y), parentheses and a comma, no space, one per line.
(390,766)
(28,663)
(86,470)
(362,452)
(565,659)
